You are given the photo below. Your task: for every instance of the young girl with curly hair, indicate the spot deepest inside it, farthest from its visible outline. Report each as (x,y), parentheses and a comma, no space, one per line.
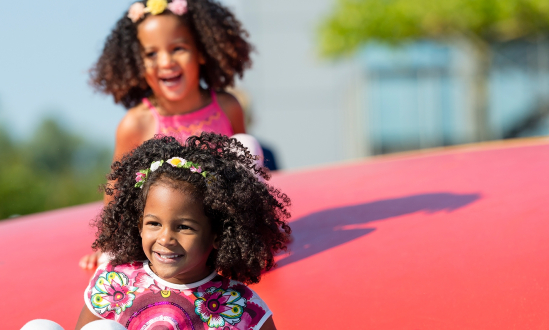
(169,63)
(189,226)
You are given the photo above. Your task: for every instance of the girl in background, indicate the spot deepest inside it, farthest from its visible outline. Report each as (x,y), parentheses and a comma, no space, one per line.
(169,64)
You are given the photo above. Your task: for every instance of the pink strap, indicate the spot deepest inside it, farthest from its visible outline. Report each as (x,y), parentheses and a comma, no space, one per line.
(154,112)
(151,107)
(149,104)
(214,97)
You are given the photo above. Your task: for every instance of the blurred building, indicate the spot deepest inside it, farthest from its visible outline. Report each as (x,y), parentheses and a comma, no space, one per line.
(296,97)
(420,96)
(312,111)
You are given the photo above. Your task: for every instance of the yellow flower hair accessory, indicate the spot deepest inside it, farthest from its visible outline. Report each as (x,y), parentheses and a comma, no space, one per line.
(142,175)
(156,7)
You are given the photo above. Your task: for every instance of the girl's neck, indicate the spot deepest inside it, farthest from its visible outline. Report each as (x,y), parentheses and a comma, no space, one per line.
(193,101)
(184,279)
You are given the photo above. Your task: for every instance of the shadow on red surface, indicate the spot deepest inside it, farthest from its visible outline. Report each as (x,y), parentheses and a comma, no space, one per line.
(324,230)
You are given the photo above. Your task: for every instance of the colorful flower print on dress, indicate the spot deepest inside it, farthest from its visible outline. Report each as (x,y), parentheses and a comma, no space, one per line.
(217,306)
(111,292)
(147,302)
(144,280)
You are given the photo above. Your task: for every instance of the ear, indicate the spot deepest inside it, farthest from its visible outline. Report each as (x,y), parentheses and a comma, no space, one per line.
(216,242)
(201,59)
(140,226)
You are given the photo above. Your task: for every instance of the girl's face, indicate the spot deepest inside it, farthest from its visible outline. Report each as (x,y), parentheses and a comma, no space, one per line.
(172,61)
(176,235)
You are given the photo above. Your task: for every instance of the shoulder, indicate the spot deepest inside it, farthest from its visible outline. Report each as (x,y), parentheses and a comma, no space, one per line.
(232,108)
(248,311)
(98,294)
(136,127)
(136,119)
(228,100)
(124,272)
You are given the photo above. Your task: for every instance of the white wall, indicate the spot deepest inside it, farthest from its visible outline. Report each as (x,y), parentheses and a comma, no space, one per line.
(298,100)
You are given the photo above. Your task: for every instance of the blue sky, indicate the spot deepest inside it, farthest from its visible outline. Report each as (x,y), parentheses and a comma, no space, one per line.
(47,49)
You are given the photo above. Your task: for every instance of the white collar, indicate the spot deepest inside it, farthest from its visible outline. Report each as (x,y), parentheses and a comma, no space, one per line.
(177,286)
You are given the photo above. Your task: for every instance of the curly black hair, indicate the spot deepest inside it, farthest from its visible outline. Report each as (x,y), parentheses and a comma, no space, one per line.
(219,36)
(248,215)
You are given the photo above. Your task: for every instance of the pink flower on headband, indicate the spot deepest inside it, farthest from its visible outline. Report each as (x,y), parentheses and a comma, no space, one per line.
(136,11)
(140,176)
(178,7)
(196,169)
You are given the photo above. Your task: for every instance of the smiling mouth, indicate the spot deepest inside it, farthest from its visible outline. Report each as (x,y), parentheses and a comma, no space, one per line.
(167,258)
(171,81)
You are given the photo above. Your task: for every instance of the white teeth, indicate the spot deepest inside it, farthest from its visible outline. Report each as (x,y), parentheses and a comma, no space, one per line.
(170,76)
(170,82)
(168,256)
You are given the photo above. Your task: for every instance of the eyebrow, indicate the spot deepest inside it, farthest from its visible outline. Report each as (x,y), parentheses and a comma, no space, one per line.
(180,40)
(181,219)
(175,41)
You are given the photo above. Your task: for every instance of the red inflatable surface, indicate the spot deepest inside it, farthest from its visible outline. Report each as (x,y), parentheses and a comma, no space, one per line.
(451,239)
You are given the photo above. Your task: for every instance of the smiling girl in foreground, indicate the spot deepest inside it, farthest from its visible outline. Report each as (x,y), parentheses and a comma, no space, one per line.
(187,227)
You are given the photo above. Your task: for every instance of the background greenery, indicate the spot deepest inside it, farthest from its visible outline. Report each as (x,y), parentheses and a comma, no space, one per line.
(479,23)
(53,168)
(355,22)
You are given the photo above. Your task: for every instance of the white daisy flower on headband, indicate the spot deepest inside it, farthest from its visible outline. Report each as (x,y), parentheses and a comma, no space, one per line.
(142,175)
(156,165)
(176,161)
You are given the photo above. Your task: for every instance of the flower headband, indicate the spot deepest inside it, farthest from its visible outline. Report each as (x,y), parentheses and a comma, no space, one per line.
(142,175)
(138,10)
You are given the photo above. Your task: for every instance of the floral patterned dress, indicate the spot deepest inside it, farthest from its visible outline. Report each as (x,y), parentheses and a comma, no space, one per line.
(132,295)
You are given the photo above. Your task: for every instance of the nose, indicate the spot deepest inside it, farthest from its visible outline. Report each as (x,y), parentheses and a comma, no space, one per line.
(165,60)
(166,237)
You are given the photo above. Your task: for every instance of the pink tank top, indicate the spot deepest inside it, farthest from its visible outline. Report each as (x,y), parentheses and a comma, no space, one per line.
(211,118)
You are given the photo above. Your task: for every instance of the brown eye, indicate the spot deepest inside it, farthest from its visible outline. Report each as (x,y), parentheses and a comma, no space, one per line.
(184,227)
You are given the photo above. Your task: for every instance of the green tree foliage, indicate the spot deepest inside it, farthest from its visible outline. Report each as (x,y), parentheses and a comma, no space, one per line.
(481,23)
(355,22)
(53,169)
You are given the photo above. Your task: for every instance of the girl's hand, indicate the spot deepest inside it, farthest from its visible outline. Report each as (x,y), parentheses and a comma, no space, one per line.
(89,261)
